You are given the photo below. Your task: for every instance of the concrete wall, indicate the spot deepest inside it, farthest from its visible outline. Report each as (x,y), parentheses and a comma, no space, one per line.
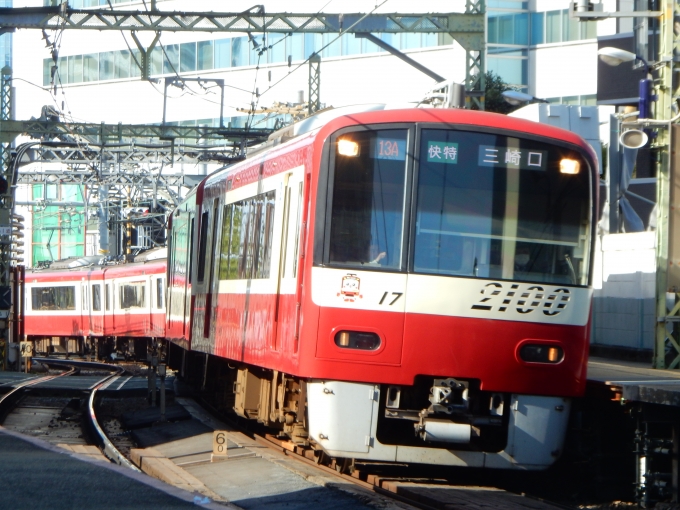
(624,278)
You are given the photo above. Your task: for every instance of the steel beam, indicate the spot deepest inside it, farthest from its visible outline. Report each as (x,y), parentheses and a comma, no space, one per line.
(314,102)
(115,133)
(65,18)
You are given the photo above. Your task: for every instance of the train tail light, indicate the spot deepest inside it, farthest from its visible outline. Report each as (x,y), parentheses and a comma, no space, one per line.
(357,340)
(537,353)
(348,147)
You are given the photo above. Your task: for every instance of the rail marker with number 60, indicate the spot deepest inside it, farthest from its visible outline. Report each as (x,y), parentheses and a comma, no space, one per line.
(220,443)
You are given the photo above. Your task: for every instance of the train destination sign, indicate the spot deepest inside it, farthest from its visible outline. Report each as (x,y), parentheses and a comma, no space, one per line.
(442,152)
(512,157)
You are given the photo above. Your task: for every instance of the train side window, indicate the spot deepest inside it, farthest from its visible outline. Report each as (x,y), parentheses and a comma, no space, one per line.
(225,260)
(267,233)
(159,293)
(53,298)
(107,298)
(96,297)
(132,295)
(86,302)
(190,254)
(248,238)
(297,230)
(236,247)
(203,245)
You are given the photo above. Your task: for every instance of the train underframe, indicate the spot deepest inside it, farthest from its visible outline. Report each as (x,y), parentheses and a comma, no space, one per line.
(110,348)
(445,421)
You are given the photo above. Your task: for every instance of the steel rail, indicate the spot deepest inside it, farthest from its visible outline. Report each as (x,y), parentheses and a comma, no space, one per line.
(9,399)
(108,448)
(274,444)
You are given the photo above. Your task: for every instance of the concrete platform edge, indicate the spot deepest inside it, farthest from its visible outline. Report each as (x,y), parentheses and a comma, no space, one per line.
(139,477)
(157,465)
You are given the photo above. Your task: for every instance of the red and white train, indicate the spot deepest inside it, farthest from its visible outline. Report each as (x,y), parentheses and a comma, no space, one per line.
(393,285)
(76,301)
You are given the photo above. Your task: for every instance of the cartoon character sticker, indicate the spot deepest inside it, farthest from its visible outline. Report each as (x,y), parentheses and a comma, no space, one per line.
(349,290)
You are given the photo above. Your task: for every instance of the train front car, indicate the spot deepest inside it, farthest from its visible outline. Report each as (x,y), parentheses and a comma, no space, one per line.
(450,276)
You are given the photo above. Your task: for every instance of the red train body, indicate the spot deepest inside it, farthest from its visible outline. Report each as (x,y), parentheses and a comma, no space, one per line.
(395,285)
(100,301)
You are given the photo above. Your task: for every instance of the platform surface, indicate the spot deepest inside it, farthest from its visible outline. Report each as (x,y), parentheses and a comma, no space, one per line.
(637,382)
(37,475)
(251,477)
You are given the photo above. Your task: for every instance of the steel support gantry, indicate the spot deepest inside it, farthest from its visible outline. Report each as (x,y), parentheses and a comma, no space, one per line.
(467,28)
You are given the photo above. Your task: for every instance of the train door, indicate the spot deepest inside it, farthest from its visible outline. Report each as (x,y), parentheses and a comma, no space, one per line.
(211,285)
(188,269)
(84,307)
(180,257)
(287,306)
(97,324)
(203,307)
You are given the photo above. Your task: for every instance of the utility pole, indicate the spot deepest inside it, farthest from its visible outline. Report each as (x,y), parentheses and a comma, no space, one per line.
(667,347)
(6,206)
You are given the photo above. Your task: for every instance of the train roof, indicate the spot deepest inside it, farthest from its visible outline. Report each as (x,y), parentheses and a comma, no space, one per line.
(330,120)
(95,263)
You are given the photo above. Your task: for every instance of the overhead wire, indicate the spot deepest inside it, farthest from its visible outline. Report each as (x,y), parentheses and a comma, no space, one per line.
(340,34)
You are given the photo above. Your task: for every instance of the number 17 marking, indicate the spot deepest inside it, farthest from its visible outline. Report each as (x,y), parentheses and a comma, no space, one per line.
(397,294)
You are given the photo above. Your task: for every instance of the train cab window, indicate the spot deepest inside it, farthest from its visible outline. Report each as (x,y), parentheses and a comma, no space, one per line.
(159,293)
(368,197)
(96,297)
(107,297)
(492,206)
(53,298)
(132,295)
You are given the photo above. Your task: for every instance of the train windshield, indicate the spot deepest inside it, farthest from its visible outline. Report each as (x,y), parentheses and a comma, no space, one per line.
(486,206)
(368,199)
(499,207)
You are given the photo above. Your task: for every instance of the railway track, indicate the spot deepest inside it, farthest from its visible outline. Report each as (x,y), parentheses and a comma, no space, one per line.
(424,487)
(65,415)
(60,407)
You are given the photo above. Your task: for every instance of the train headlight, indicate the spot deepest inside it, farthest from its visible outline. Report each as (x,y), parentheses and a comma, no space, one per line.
(537,353)
(357,340)
(348,147)
(570,166)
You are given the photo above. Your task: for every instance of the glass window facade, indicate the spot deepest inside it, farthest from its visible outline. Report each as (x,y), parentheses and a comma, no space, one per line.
(5,42)
(57,233)
(222,53)
(512,29)
(204,55)
(187,57)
